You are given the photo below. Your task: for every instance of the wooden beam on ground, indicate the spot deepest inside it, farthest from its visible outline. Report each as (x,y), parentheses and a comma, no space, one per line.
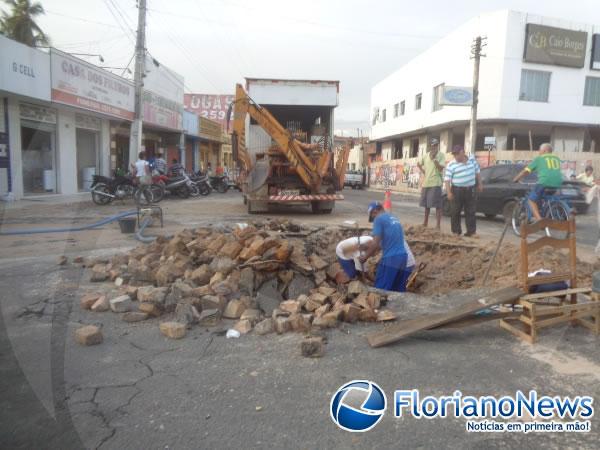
(393,333)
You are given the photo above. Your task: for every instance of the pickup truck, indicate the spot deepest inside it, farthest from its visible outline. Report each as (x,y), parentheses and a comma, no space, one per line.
(354,179)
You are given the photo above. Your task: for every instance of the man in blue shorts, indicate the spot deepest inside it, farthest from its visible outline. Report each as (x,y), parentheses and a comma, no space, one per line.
(388,236)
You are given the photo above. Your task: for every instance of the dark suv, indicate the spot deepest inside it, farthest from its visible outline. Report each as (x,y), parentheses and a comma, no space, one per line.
(500,194)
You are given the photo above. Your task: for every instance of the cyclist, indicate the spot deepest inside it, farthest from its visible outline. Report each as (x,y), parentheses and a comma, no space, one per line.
(547,166)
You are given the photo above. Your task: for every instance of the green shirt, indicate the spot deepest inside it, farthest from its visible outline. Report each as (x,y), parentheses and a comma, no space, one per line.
(433,176)
(547,167)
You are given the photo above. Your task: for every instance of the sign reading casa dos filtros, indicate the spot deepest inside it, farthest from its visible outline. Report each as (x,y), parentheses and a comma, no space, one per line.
(556,46)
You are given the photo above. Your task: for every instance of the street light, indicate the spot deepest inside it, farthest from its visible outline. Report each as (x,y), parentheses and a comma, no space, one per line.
(126,69)
(88,54)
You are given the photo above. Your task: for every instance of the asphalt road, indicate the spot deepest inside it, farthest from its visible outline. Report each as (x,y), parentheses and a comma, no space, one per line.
(138,390)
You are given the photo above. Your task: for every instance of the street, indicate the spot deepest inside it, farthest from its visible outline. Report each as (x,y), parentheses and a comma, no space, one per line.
(140,390)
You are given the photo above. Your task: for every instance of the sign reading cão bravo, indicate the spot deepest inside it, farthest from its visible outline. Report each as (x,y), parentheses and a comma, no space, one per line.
(555,46)
(456,96)
(78,83)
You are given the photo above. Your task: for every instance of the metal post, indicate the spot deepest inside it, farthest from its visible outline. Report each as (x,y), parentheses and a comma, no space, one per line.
(135,138)
(476,52)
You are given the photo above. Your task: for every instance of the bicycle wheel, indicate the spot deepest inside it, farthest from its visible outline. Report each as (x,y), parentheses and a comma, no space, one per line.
(520,214)
(557,210)
(144,196)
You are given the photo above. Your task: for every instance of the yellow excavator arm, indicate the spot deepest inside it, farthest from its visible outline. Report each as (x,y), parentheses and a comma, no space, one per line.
(292,149)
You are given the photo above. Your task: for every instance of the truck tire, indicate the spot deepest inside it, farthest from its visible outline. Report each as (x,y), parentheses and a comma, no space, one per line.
(320,208)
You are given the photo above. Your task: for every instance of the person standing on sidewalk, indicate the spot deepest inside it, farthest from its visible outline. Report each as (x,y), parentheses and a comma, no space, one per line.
(431,166)
(462,178)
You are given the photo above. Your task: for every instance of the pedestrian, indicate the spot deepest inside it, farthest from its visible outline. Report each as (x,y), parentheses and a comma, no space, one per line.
(388,236)
(587,176)
(142,169)
(462,179)
(160,164)
(176,169)
(348,252)
(432,166)
(547,165)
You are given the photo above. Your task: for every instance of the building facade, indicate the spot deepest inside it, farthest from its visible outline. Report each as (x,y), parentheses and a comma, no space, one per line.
(539,82)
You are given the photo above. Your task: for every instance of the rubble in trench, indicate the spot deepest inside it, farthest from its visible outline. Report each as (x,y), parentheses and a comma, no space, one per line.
(277,276)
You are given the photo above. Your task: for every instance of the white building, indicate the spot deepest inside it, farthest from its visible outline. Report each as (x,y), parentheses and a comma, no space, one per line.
(539,82)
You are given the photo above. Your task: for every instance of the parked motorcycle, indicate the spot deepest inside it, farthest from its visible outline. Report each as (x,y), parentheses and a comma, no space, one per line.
(201,182)
(180,185)
(219,183)
(105,190)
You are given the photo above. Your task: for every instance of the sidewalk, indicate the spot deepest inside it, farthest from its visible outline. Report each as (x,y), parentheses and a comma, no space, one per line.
(47,199)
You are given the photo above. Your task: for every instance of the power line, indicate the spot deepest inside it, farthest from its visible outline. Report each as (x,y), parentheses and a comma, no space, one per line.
(80,19)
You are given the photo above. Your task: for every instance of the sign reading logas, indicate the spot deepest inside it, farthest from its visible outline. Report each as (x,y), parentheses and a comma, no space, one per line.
(556,46)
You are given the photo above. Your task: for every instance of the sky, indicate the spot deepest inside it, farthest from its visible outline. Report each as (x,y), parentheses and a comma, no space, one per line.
(216,43)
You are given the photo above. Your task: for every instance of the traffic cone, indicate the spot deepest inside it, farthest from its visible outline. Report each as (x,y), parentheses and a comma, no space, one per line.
(387,202)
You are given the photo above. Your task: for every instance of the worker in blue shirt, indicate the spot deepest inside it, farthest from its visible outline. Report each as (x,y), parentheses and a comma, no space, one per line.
(388,236)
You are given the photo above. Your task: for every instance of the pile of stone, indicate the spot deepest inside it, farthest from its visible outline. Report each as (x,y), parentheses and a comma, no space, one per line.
(273,277)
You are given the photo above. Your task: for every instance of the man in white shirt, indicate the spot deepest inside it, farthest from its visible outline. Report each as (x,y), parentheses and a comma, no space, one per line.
(142,169)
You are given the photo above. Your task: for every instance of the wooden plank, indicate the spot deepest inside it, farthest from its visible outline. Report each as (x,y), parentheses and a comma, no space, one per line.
(477,320)
(547,241)
(507,325)
(566,308)
(553,278)
(559,225)
(556,293)
(397,331)
(565,318)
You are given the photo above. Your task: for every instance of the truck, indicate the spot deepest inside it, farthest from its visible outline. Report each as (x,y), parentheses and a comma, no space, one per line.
(282,143)
(354,179)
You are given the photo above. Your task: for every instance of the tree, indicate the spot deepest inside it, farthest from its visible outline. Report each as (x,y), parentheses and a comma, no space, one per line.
(19,23)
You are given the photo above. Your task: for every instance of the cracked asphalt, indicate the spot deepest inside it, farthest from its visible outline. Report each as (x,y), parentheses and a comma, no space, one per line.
(139,390)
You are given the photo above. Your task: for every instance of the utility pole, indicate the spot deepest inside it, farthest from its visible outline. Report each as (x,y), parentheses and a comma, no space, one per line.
(478,43)
(135,139)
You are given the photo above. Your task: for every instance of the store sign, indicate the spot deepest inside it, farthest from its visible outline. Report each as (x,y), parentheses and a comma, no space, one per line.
(595,59)
(163,81)
(556,46)
(190,123)
(456,96)
(213,107)
(210,130)
(37,113)
(83,85)
(88,122)
(162,112)
(24,70)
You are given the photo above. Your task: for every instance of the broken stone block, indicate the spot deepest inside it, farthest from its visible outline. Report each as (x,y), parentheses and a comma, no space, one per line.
(175,246)
(320,277)
(291,306)
(222,264)
(186,314)
(367,315)
(213,302)
(62,260)
(341,277)
(134,316)
(120,304)
(311,305)
(223,288)
(88,300)
(328,320)
(300,322)
(152,294)
(99,273)
(202,291)
(318,298)
(284,251)
(385,315)
(167,274)
(89,335)
(332,270)
(180,289)
(216,278)
(119,281)
(246,282)
(151,308)
(132,292)
(231,250)
(216,243)
(363,301)
(249,302)
(317,262)
(322,310)
(350,312)
(327,291)
(201,275)
(234,309)
(243,326)
(268,297)
(374,300)
(355,288)
(113,274)
(101,305)
(302,299)
(299,285)
(281,325)
(139,271)
(209,317)
(286,276)
(264,327)
(312,347)
(173,330)
(253,315)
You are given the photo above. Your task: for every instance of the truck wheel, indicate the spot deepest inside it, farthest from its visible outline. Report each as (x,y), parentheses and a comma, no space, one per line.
(321,207)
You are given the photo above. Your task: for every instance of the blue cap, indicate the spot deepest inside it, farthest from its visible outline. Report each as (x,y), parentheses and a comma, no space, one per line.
(374,205)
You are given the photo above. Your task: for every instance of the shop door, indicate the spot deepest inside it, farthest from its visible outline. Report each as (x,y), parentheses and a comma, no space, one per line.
(38,157)
(122,154)
(87,157)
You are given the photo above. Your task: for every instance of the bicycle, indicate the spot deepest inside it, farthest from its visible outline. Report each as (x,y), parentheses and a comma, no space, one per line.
(551,206)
